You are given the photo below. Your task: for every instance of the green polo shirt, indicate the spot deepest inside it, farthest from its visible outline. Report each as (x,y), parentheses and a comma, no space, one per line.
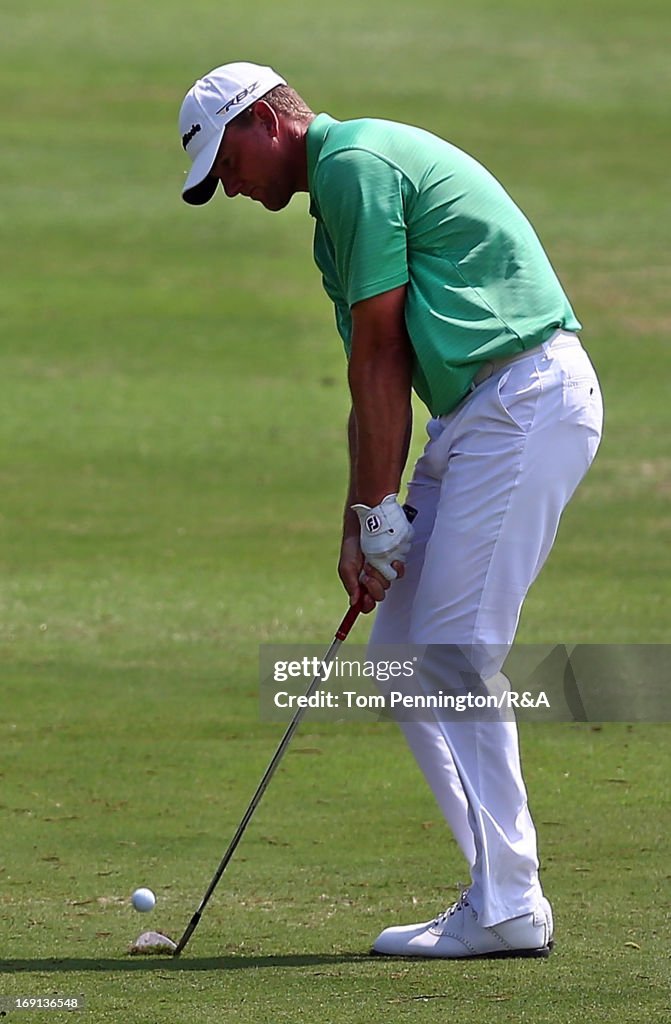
(395,205)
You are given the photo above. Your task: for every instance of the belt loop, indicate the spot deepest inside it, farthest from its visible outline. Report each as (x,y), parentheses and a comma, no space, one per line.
(492,365)
(483,374)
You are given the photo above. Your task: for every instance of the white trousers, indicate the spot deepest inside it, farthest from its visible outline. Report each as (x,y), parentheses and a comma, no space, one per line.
(490,488)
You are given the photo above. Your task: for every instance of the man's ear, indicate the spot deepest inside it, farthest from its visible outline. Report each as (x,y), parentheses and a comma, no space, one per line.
(268,118)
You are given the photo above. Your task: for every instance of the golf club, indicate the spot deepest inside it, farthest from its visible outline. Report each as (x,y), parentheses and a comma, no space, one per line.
(340,635)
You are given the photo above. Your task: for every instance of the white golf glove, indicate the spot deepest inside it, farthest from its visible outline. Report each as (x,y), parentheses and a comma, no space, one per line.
(386,534)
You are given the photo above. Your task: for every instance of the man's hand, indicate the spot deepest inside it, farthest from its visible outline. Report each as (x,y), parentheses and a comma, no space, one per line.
(350,570)
(386,535)
(359,578)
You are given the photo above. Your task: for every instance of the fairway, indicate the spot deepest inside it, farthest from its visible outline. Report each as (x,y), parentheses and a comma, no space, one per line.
(173,468)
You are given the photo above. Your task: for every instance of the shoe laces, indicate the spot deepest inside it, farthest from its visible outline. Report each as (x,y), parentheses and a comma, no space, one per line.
(458,905)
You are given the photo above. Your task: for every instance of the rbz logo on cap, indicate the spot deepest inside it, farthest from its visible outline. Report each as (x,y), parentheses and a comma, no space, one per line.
(186,138)
(237,99)
(373,524)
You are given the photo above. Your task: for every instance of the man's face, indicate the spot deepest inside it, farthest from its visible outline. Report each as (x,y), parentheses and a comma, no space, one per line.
(251,160)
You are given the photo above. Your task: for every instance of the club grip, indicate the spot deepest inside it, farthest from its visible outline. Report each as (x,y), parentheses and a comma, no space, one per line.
(349,619)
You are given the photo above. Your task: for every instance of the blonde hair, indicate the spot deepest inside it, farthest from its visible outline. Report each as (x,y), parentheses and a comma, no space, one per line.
(283,100)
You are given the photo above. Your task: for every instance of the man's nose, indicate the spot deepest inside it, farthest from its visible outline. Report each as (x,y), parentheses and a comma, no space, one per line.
(231,189)
(231,184)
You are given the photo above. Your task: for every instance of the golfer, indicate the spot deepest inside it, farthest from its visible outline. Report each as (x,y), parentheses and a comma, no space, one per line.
(440,285)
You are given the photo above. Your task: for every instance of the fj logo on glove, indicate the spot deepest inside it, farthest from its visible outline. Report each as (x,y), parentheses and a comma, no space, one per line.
(373,524)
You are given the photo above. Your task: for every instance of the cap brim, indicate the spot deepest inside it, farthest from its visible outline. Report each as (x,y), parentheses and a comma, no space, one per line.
(199,187)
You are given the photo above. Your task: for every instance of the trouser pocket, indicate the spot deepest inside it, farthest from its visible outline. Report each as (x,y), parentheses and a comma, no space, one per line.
(581,402)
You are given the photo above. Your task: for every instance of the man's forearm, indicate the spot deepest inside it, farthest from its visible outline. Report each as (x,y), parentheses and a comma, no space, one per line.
(379,377)
(350,518)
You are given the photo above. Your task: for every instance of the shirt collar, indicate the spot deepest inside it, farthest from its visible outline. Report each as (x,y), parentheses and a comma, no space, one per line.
(316,137)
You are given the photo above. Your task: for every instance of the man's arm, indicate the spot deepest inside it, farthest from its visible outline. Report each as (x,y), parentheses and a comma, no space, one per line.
(380,372)
(380,377)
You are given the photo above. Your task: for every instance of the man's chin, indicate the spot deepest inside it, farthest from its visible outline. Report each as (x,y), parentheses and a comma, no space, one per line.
(274,203)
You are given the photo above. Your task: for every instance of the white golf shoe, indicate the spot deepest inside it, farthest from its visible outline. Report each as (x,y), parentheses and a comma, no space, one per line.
(456,934)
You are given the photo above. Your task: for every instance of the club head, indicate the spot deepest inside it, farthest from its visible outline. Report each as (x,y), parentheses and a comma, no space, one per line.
(152,944)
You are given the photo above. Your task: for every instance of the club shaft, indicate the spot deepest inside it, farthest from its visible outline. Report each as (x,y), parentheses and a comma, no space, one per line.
(341,633)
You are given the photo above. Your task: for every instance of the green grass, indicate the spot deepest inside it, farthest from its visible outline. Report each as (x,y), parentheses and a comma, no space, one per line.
(286,935)
(173,409)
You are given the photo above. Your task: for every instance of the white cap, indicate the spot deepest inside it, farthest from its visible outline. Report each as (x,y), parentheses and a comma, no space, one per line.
(208,106)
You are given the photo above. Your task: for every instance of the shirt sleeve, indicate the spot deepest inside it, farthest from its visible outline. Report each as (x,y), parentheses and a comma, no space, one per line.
(361,203)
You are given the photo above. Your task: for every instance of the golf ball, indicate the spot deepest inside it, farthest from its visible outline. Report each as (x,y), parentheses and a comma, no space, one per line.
(143,900)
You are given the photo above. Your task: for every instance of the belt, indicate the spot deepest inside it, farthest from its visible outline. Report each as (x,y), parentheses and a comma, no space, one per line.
(492,366)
